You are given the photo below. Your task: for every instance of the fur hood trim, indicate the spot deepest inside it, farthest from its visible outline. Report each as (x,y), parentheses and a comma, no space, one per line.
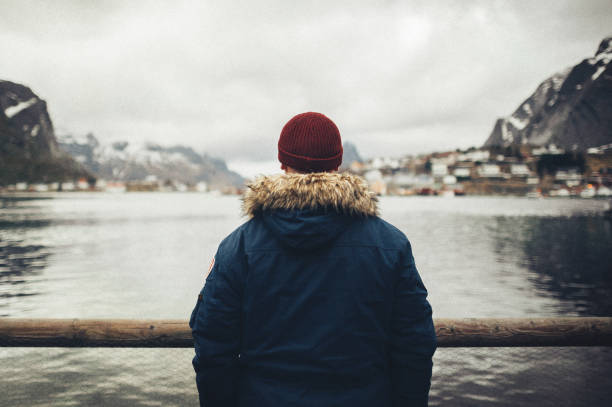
(340,192)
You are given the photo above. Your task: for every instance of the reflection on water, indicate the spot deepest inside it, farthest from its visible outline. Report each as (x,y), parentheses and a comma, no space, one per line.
(575,265)
(19,263)
(97,377)
(540,377)
(21,260)
(570,258)
(145,255)
(462,377)
(509,257)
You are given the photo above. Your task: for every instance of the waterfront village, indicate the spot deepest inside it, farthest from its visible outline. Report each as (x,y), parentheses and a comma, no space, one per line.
(517,170)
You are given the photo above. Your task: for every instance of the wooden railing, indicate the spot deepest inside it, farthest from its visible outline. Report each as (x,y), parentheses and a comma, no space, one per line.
(471,332)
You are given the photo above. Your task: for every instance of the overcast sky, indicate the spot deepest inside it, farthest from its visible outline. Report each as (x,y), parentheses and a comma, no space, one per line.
(397,77)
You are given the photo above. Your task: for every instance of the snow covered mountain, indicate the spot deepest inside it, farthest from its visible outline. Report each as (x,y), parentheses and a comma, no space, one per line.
(123,161)
(572,109)
(28,148)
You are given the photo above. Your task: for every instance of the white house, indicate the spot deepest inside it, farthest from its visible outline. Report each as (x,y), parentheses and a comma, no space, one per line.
(439,170)
(476,155)
(489,170)
(461,172)
(449,180)
(521,170)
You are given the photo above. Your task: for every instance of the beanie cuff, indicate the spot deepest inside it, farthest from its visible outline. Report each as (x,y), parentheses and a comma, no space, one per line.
(304,163)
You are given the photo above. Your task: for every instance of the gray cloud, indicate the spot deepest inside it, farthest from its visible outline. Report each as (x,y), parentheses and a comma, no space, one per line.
(397,77)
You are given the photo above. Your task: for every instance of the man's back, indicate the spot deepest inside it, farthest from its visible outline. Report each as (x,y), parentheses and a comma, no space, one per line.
(314,301)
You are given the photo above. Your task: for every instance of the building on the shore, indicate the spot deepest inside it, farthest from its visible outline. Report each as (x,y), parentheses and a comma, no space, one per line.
(39,188)
(115,186)
(520,170)
(517,170)
(463,172)
(82,184)
(489,170)
(439,169)
(143,186)
(449,180)
(570,177)
(550,149)
(409,183)
(201,187)
(474,156)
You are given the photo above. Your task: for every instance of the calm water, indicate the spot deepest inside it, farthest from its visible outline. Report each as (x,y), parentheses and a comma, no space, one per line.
(144,256)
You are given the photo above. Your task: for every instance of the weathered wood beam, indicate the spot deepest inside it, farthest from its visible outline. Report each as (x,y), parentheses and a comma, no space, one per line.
(524,332)
(95,333)
(470,332)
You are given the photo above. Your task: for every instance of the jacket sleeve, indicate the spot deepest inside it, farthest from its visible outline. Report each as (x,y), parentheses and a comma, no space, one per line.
(215,324)
(413,338)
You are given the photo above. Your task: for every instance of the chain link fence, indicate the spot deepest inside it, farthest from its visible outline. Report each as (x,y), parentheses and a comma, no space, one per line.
(545,376)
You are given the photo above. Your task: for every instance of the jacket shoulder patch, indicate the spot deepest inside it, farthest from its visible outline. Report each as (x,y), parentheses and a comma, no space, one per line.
(212,264)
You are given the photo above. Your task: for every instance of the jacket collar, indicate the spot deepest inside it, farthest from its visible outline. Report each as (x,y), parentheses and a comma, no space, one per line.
(340,192)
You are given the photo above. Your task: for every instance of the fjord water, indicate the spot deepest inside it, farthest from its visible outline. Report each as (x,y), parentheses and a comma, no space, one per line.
(144,255)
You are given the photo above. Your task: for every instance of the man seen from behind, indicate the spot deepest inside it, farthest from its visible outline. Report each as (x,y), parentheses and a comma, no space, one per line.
(315,300)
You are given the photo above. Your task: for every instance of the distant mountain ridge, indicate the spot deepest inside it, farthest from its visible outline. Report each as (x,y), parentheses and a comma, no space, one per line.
(124,161)
(349,155)
(572,109)
(29,151)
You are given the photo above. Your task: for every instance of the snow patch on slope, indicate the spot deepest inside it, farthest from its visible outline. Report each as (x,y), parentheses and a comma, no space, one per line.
(519,124)
(598,72)
(14,110)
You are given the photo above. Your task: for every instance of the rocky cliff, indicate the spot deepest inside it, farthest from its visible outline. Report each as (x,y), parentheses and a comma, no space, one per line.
(572,109)
(29,151)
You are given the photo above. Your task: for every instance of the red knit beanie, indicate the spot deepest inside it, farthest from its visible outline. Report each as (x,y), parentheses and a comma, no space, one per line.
(310,142)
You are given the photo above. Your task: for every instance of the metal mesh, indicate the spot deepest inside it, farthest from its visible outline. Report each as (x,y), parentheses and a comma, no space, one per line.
(164,377)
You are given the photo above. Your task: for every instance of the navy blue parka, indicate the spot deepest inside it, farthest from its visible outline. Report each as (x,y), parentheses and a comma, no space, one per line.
(315,301)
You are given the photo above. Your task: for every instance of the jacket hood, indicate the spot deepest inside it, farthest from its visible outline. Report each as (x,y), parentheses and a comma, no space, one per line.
(308,210)
(342,193)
